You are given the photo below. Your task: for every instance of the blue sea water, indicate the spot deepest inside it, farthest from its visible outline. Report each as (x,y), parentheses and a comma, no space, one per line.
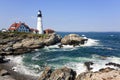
(102,47)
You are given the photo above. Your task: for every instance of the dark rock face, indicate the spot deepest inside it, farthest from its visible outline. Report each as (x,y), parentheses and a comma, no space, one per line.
(88,64)
(3,60)
(59,74)
(113,64)
(73,39)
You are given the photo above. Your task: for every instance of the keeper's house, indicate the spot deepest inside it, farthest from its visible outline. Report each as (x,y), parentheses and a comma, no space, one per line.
(21,27)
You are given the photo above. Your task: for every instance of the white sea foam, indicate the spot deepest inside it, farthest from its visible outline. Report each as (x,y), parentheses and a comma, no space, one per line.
(56,48)
(16,59)
(36,56)
(77,64)
(67,46)
(53,46)
(91,42)
(78,67)
(112,35)
(20,67)
(100,61)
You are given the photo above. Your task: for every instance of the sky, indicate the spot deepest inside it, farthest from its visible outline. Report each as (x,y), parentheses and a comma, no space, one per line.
(63,15)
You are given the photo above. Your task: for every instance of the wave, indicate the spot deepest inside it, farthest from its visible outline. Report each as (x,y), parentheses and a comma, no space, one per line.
(36,56)
(20,67)
(77,64)
(78,67)
(90,42)
(56,48)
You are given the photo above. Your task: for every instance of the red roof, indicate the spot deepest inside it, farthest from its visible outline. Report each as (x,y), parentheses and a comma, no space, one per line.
(47,31)
(15,26)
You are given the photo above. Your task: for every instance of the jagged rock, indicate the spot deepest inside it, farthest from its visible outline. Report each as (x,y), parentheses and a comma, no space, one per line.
(3,59)
(103,74)
(46,74)
(4,75)
(63,74)
(58,74)
(3,72)
(52,39)
(73,39)
(88,64)
(113,64)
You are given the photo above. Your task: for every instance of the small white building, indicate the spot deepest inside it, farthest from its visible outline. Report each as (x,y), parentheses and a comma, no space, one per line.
(4,30)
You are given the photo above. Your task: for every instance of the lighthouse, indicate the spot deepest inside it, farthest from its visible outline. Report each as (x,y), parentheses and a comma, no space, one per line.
(39,22)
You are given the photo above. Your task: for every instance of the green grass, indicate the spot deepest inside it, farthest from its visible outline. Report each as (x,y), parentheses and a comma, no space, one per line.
(5,35)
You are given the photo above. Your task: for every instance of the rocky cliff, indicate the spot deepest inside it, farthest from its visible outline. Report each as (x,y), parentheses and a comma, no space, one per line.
(17,43)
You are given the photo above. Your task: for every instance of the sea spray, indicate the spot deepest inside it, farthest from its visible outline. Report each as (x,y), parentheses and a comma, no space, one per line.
(20,67)
(91,42)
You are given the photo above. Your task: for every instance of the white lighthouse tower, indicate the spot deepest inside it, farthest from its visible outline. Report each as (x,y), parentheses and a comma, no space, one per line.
(39,22)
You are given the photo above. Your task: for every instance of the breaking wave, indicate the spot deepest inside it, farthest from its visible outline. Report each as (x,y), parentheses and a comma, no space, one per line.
(20,67)
(90,42)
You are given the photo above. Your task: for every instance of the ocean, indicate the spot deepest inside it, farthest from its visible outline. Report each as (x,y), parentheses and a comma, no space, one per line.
(101,48)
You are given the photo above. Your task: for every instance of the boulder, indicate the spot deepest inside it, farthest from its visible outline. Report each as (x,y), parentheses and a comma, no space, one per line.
(73,39)
(46,74)
(4,75)
(63,74)
(52,39)
(85,76)
(58,74)
(103,74)
(4,72)
(88,64)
